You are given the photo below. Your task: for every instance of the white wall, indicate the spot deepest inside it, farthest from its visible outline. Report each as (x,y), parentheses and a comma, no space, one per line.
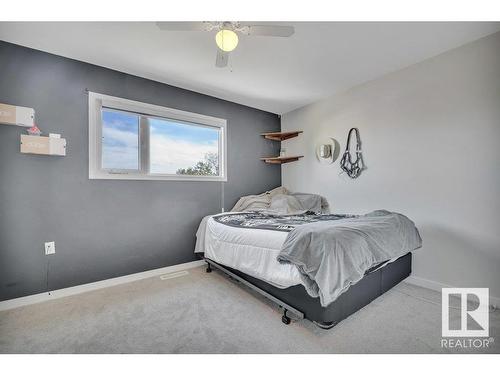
(431,142)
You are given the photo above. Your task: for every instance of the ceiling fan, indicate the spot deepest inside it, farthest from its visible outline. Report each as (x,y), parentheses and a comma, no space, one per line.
(226,36)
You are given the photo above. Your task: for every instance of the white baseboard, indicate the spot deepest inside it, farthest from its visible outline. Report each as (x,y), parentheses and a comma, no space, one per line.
(46,296)
(59,293)
(437,286)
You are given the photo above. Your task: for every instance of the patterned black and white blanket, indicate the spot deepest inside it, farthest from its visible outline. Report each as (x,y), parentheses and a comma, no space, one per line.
(259,220)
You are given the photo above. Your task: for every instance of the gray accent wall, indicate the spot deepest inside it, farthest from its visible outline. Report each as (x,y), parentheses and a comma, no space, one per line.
(105,228)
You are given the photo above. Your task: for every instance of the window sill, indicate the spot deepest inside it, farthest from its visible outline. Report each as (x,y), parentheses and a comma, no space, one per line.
(152,177)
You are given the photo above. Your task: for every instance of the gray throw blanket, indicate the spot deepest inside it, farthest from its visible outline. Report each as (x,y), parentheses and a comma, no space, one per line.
(333,255)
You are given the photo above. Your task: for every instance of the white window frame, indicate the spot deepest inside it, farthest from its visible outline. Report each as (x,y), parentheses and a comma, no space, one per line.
(98,101)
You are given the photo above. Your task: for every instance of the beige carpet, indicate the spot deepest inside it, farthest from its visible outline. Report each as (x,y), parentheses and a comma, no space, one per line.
(208,313)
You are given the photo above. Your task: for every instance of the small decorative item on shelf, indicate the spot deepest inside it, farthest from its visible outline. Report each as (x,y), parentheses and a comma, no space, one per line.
(34,130)
(282,152)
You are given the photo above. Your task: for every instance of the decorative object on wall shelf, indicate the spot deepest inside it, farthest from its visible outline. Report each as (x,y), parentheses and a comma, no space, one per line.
(34,130)
(352,168)
(281,159)
(327,150)
(281,136)
(15,115)
(33,144)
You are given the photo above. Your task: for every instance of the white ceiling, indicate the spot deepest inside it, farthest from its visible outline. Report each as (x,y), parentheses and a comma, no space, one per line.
(273,74)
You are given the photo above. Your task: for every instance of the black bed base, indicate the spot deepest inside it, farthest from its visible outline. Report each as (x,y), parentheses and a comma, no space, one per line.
(296,300)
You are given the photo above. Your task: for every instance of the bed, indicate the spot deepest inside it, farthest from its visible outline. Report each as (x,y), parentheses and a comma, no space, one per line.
(251,247)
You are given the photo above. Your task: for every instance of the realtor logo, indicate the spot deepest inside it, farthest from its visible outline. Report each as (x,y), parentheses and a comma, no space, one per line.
(474,320)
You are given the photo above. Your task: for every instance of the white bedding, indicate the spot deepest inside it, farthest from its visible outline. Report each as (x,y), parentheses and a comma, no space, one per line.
(252,251)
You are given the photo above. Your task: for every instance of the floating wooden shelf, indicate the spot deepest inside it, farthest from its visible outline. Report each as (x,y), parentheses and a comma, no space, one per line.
(281,136)
(281,159)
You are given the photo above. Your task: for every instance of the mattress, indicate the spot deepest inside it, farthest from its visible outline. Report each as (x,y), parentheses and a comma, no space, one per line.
(252,251)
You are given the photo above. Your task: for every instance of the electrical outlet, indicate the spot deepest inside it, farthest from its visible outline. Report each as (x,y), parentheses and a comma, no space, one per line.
(50,248)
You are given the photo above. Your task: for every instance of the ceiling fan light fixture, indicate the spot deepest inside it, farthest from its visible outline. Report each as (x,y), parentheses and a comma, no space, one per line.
(226,40)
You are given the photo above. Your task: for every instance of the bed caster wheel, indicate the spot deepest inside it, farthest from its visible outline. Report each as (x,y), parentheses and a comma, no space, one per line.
(285,319)
(326,325)
(209,269)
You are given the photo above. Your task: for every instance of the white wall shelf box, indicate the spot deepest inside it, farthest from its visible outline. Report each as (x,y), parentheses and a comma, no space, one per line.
(32,144)
(14,115)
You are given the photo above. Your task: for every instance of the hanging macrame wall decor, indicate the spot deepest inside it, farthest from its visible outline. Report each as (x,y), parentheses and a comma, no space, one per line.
(352,168)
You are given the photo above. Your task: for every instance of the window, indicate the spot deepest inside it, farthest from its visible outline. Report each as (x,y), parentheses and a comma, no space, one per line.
(133,140)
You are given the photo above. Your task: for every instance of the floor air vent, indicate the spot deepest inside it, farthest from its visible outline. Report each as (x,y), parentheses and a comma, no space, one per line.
(173,275)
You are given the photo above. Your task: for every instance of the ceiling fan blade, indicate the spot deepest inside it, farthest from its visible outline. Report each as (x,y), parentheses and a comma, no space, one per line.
(269,30)
(221,59)
(185,26)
